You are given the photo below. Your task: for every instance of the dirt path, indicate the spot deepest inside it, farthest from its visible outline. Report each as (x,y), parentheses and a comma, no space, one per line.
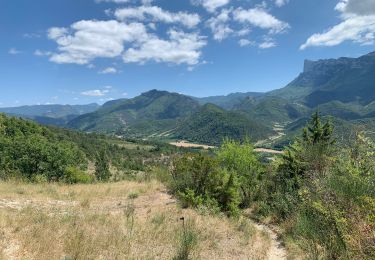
(277,250)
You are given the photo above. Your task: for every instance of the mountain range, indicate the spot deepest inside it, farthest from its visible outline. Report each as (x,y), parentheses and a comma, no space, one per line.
(343,88)
(58,115)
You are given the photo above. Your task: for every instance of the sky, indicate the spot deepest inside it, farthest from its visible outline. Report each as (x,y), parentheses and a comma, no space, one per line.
(84,51)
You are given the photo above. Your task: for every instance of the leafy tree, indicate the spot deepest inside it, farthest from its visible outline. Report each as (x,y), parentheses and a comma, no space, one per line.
(242,159)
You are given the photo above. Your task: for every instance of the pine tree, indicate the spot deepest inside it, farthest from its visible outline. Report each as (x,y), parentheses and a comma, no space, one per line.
(317,133)
(102,172)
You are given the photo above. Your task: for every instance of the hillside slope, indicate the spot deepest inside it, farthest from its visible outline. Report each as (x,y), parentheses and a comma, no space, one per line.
(211,124)
(151,107)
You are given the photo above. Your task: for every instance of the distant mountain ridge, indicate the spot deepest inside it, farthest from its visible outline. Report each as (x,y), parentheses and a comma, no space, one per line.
(54,111)
(153,105)
(58,115)
(228,101)
(164,114)
(343,88)
(344,79)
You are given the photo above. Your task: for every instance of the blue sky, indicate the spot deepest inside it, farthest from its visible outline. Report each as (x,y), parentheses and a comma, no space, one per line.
(83,51)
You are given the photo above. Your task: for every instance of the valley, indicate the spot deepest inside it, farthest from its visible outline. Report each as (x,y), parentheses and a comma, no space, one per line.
(187,130)
(269,119)
(169,176)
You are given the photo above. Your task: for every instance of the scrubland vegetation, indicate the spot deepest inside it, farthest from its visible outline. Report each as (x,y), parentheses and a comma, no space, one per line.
(108,221)
(319,195)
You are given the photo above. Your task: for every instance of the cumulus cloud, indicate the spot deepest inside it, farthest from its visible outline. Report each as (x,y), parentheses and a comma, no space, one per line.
(267,44)
(211,5)
(245,42)
(180,48)
(219,25)
(109,70)
(357,7)
(155,13)
(89,39)
(258,17)
(357,25)
(281,3)
(85,41)
(95,93)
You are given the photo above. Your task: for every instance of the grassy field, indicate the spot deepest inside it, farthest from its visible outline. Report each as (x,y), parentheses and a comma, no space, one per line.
(124,220)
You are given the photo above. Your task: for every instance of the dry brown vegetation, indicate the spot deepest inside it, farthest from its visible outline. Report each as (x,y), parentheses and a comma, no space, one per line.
(124,220)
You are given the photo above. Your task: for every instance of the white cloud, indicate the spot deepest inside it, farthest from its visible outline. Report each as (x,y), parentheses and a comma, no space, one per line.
(245,42)
(42,53)
(267,44)
(358,25)
(211,5)
(243,32)
(258,17)
(95,93)
(90,39)
(281,3)
(180,48)
(109,70)
(357,7)
(219,25)
(155,13)
(13,51)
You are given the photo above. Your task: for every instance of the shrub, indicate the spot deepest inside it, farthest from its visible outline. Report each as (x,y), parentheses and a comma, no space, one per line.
(198,180)
(74,175)
(242,161)
(188,240)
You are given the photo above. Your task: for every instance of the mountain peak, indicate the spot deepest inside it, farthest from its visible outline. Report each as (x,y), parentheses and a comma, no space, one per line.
(154,93)
(371,54)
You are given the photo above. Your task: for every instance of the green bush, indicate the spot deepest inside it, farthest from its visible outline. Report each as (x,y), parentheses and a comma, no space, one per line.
(74,175)
(243,162)
(198,180)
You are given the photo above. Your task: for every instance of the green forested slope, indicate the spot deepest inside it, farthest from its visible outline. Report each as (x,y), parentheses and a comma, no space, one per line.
(211,124)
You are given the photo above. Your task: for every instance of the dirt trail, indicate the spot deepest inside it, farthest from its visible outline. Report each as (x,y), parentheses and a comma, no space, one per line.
(277,250)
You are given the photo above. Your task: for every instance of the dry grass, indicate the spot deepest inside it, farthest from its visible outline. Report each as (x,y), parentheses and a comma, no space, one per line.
(107,221)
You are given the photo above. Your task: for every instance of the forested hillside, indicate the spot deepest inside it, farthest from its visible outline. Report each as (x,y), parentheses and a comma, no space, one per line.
(212,124)
(33,152)
(153,106)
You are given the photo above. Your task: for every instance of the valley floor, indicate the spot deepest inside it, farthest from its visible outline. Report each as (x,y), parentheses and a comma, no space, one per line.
(124,220)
